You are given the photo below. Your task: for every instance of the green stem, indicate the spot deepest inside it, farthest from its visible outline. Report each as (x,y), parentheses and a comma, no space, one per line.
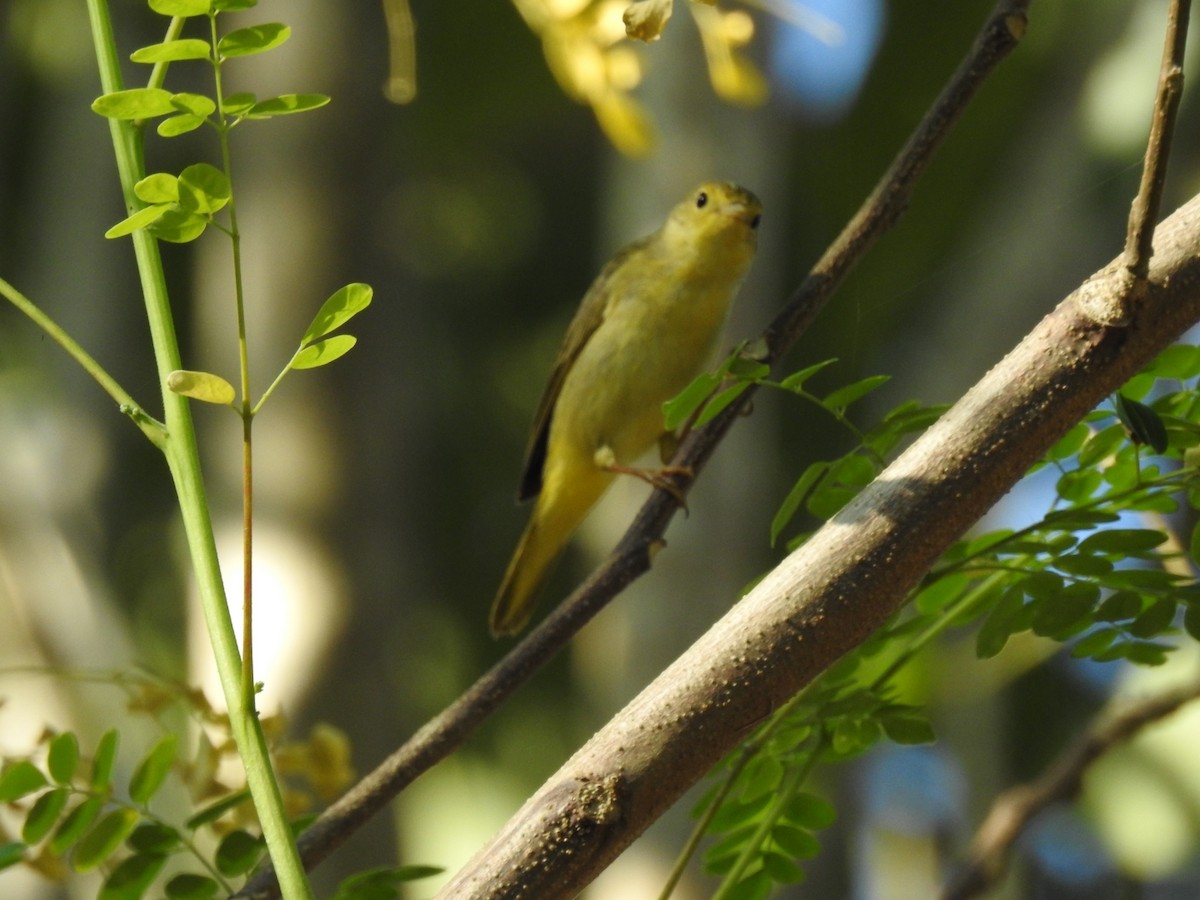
(151,427)
(183,460)
(245,410)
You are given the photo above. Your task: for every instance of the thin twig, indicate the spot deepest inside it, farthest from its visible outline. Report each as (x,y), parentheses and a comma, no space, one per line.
(1015,808)
(1000,34)
(1143,214)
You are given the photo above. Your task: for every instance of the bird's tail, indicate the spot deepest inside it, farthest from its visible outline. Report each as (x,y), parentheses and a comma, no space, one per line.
(562,504)
(535,556)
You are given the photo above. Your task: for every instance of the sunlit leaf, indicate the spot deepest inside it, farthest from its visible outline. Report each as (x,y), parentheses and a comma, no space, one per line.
(285,105)
(238,104)
(204,386)
(172,51)
(343,305)
(323,352)
(203,189)
(255,39)
(181,7)
(174,126)
(136,103)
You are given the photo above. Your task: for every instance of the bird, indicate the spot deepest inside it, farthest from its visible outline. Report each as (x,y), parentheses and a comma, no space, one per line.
(644,330)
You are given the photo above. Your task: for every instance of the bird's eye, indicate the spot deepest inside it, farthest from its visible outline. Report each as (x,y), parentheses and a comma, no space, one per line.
(754,222)
(701,200)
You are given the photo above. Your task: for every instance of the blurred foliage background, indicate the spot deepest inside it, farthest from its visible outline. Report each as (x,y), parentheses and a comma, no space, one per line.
(479,209)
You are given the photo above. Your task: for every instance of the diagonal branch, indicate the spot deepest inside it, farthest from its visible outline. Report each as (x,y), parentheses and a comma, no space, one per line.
(835,590)
(439,737)
(1012,810)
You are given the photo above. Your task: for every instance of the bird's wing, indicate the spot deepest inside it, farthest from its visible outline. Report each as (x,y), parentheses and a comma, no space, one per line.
(590,315)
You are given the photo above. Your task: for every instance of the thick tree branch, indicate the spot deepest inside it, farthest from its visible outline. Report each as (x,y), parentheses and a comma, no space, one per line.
(1015,808)
(830,594)
(449,729)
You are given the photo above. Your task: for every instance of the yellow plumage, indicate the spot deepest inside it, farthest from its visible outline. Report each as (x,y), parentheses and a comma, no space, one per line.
(644,330)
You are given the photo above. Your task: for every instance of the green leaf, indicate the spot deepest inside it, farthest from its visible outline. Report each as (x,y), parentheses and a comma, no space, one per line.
(218,808)
(908,729)
(76,822)
(154,837)
(233,5)
(1122,541)
(1078,485)
(344,304)
(722,399)
(20,779)
(856,390)
(381,882)
(1068,445)
(1066,614)
(796,496)
(1143,424)
(135,103)
(161,187)
(1118,606)
(799,842)
(1006,619)
(238,853)
(184,8)
(204,387)
(1181,361)
(11,853)
(153,769)
(104,759)
(43,815)
(761,776)
(63,758)
(735,812)
(131,879)
(178,225)
(191,887)
(1083,564)
(323,352)
(286,105)
(795,381)
(1101,445)
(171,51)
(677,410)
(139,219)
(238,104)
(1156,619)
(810,811)
(196,104)
(782,869)
(104,838)
(174,126)
(1191,620)
(255,39)
(1094,642)
(203,189)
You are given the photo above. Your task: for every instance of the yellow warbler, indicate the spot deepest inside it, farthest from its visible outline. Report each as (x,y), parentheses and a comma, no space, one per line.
(644,330)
